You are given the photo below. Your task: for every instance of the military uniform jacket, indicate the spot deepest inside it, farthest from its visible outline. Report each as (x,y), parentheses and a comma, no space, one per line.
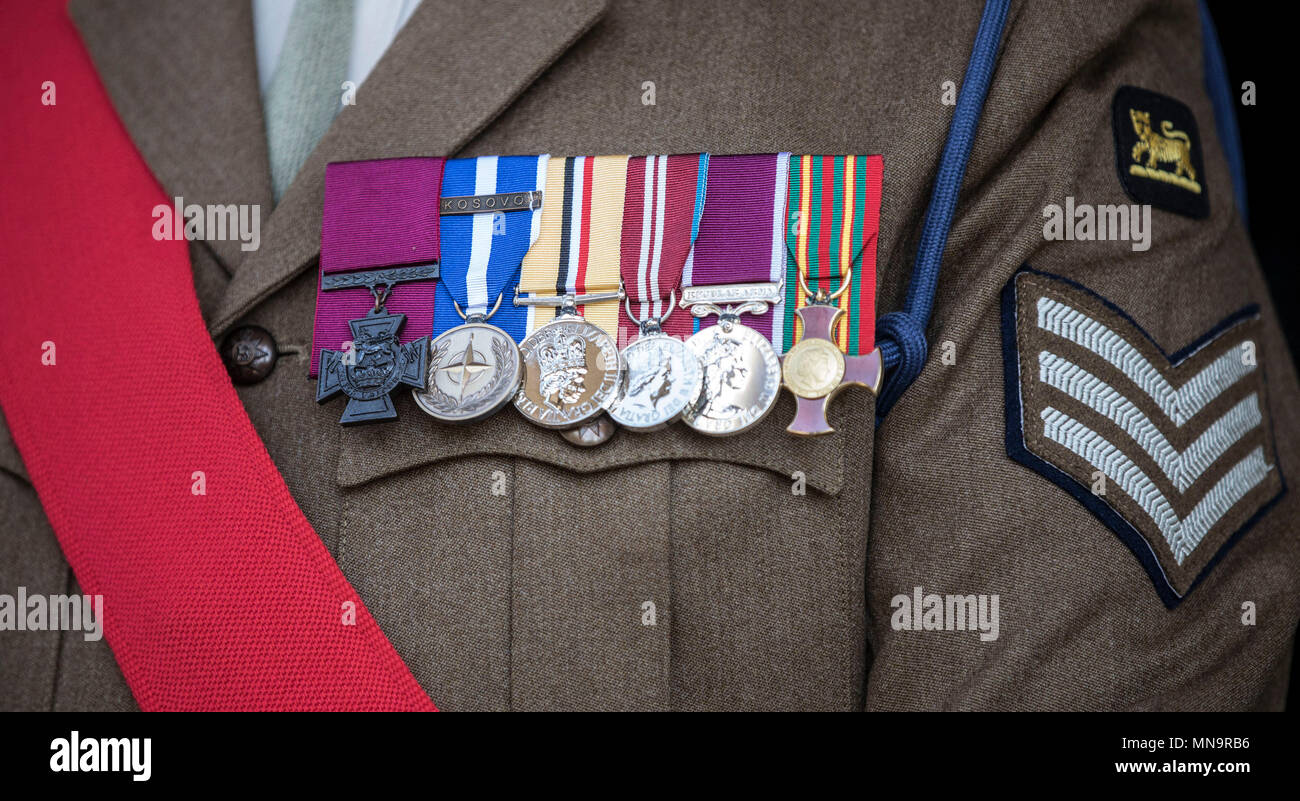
(513,571)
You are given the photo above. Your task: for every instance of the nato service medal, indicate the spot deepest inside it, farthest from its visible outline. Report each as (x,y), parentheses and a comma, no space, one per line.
(474,370)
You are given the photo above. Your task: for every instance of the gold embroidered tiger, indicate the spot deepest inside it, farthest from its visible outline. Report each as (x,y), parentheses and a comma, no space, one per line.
(1174,146)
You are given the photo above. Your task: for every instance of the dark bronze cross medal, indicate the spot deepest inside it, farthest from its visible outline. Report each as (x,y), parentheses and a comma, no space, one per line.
(378,363)
(815,369)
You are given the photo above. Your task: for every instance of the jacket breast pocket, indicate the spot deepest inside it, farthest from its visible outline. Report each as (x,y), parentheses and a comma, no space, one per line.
(513,570)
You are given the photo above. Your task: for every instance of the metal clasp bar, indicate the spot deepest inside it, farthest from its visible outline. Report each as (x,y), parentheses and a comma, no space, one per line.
(568,304)
(729,301)
(724,294)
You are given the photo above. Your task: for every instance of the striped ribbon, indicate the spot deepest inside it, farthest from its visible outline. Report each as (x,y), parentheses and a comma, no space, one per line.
(834,221)
(578,248)
(482,253)
(661,217)
(742,232)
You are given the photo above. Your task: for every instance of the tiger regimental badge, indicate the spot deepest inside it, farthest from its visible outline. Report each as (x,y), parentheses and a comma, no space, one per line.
(1158,152)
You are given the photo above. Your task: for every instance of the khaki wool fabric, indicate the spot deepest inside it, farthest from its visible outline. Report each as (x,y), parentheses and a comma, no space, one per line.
(510,569)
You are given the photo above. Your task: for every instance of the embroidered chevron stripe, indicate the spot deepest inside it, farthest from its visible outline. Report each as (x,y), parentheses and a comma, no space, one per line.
(1174,453)
(1182,535)
(1181,468)
(1179,404)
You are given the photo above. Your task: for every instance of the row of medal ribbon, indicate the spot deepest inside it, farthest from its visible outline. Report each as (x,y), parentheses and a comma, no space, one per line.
(649,288)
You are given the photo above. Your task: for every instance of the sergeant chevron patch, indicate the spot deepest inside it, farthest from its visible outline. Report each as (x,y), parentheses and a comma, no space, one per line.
(1173,452)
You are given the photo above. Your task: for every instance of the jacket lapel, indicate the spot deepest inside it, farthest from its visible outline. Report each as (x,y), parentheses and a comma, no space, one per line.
(451,70)
(183,79)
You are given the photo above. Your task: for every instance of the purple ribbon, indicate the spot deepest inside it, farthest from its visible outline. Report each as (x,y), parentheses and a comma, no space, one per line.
(378,214)
(742,230)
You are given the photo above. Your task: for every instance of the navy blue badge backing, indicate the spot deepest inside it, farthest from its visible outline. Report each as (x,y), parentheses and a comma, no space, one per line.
(1159,152)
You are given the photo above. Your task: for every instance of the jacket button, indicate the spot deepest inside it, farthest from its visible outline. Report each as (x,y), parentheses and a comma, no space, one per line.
(249,354)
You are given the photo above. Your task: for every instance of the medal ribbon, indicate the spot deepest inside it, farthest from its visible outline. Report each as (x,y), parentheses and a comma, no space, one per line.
(482,253)
(834,222)
(742,232)
(381,213)
(578,247)
(661,217)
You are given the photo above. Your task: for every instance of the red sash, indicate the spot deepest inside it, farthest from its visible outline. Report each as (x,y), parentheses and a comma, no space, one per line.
(220,601)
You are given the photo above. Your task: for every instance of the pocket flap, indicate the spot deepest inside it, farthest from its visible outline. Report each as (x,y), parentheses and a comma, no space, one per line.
(415,439)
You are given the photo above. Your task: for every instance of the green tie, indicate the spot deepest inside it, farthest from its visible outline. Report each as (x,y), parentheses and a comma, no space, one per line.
(306,89)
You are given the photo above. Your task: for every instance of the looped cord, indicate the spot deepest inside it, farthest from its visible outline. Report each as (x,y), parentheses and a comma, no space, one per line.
(907,350)
(901,334)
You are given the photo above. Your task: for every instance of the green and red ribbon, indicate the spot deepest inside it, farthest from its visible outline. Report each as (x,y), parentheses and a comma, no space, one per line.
(833,215)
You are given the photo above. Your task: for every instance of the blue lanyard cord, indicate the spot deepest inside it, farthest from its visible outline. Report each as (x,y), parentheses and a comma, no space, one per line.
(903,348)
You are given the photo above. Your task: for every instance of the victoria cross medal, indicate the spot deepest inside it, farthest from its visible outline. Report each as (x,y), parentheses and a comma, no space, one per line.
(373,368)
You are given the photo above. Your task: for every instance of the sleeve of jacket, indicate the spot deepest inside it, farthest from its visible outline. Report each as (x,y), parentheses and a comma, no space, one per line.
(1101,436)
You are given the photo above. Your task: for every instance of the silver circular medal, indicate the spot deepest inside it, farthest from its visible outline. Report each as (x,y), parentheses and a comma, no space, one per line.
(474,370)
(662,379)
(742,377)
(571,373)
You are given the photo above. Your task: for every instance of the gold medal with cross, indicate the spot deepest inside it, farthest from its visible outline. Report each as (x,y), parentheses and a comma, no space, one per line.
(834,211)
(815,370)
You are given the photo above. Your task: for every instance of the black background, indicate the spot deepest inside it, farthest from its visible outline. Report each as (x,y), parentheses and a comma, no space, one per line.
(1255,43)
(900,754)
